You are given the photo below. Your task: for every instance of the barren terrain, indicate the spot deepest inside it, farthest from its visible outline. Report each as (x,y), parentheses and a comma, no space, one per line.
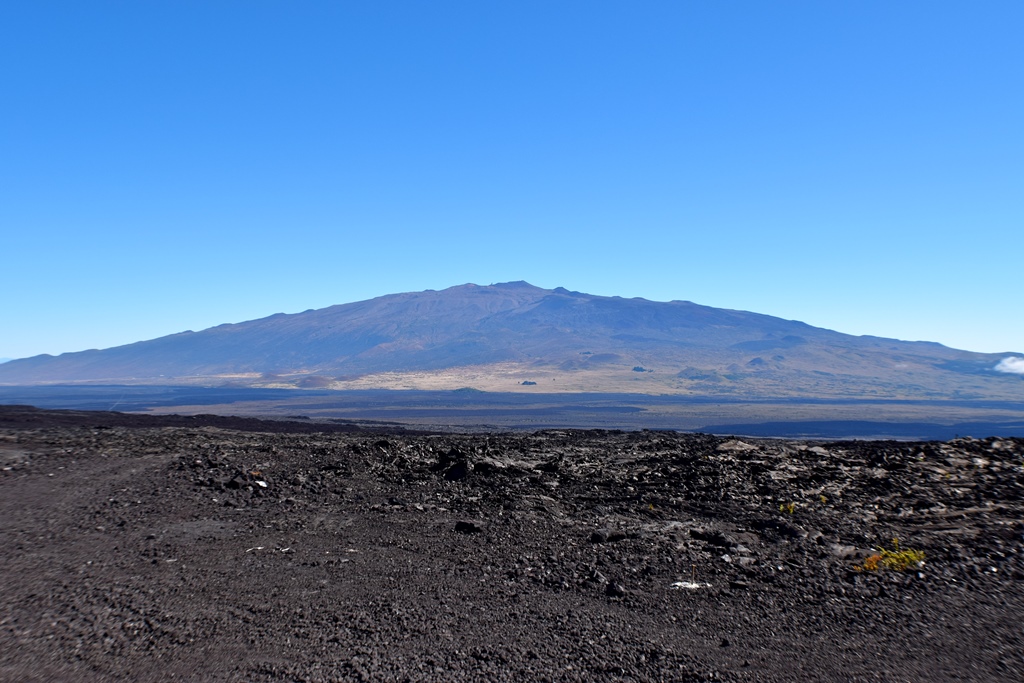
(220,549)
(467,410)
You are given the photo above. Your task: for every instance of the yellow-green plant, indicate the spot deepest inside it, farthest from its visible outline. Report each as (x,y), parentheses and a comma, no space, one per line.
(896,559)
(787,507)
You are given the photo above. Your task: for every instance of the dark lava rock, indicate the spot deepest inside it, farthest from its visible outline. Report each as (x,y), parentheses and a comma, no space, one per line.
(614,589)
(550,466)
(606,536)
(719,538)
(489,466)
(457,472)
(237,482)
(128,558)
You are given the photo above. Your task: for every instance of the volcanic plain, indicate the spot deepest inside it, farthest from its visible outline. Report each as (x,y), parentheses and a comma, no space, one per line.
(156,548)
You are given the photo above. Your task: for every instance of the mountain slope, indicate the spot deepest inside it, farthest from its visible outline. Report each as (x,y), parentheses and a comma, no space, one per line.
(501,335)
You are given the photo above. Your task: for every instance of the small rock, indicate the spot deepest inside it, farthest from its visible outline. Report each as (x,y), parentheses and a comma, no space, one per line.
(551,466)
(606,536)
(489,465)
(735,445)
(614,589)
(719,538)
(467,527)
(792,530)
(459,470)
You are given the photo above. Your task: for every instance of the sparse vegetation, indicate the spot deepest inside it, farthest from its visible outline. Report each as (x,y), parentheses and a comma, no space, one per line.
(895,559)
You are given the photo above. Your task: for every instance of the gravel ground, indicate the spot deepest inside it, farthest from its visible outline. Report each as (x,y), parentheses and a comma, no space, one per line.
(206,549)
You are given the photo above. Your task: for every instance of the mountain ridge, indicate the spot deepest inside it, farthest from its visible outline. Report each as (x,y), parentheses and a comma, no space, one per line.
(509,333)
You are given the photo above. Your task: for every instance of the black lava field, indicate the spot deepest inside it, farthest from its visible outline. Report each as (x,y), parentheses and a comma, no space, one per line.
(220,549)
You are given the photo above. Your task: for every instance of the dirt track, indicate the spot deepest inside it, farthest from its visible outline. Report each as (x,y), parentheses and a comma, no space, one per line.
(195,552)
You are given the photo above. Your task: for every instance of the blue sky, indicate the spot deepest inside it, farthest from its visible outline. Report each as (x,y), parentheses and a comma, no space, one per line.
(175,165)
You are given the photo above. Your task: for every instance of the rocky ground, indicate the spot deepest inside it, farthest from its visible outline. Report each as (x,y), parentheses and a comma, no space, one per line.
(206,549)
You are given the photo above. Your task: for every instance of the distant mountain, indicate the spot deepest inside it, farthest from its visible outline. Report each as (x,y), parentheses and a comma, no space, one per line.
(517,337)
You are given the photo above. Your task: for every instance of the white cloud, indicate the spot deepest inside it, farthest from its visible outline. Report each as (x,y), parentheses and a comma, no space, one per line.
(1011,364)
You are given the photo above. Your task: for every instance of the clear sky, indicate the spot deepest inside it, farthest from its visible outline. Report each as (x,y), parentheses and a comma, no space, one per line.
(172,165)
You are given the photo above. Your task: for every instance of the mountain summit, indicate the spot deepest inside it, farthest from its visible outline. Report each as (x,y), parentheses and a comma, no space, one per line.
(517,337)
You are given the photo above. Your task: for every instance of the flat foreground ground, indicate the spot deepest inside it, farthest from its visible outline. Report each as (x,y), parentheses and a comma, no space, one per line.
(244,551)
